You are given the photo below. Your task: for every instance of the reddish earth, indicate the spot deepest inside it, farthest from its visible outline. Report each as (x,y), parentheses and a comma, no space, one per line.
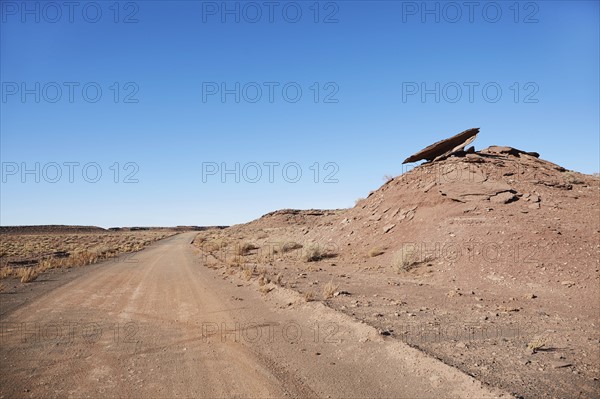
(489,262)
(166,327)
(475,276)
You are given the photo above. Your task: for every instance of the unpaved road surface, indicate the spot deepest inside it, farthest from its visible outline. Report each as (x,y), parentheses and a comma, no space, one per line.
(162,325)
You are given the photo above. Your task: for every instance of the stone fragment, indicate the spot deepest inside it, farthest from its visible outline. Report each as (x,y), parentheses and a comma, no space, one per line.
(388,228)
(503,198)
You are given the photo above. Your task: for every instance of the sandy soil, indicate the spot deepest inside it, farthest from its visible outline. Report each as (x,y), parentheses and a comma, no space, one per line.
(166,326)
(488,262)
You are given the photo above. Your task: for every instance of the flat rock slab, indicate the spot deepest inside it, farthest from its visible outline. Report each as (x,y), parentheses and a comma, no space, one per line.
(503,198)
(464,192)
(496,149)
(559,364)
(442,147)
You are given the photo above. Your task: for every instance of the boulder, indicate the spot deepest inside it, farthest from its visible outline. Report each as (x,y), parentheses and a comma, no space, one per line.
(503,198)
(445,148)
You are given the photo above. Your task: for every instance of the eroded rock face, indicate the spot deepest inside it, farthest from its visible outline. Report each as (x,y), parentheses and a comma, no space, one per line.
(471,191)
(445,148)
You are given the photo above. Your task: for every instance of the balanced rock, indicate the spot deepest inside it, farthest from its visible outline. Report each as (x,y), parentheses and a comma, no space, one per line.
(445,148)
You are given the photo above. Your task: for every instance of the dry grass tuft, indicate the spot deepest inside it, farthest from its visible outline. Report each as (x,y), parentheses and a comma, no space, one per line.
(247,273)
(405,259)
(6,272)
(309,296)
(246,248)
(536,344)
(287,246)
(235,261)
(314,253)
(376,251)
(28,274)
(572,178)
(265,289)
(329,289)
(279,279)
(262,280)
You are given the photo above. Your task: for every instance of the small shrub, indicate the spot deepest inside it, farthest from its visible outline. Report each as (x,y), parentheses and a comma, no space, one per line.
(235,261)
(6,272)
(309,296)
(248,273)
(246,248)
(329,289)
(278,279)
(263,280)
(290,246)
(405,259)
(46,264)
(536,344)
(28,274)
(83,258)
(315,253)
(572,178)
(265,289)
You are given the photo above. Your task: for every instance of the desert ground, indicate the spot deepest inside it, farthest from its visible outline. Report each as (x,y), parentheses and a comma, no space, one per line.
(473,276)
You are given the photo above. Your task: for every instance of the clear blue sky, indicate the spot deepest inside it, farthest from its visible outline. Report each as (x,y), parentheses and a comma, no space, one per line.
(162,67)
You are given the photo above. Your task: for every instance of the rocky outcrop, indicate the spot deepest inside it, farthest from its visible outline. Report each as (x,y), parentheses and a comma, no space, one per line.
(467,191)
(505,150)
(444,148)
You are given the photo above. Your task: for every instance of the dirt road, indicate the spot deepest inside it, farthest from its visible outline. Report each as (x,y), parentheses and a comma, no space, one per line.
(161,324)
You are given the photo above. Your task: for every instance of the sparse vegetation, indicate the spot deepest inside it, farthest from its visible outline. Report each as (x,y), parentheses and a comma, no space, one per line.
(376,251)
(309,296)
(290,246)
(246,248)
(315,253)
(329,289)
(265,289)
(6,272)
(405,259)
(28,274)
(235,261)
(279,279)
(536,344)
(42,252)
(572,178)
(248,272)
(263,280)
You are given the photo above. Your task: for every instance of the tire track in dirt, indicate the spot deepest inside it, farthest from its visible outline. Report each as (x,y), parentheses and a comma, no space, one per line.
(147,329)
